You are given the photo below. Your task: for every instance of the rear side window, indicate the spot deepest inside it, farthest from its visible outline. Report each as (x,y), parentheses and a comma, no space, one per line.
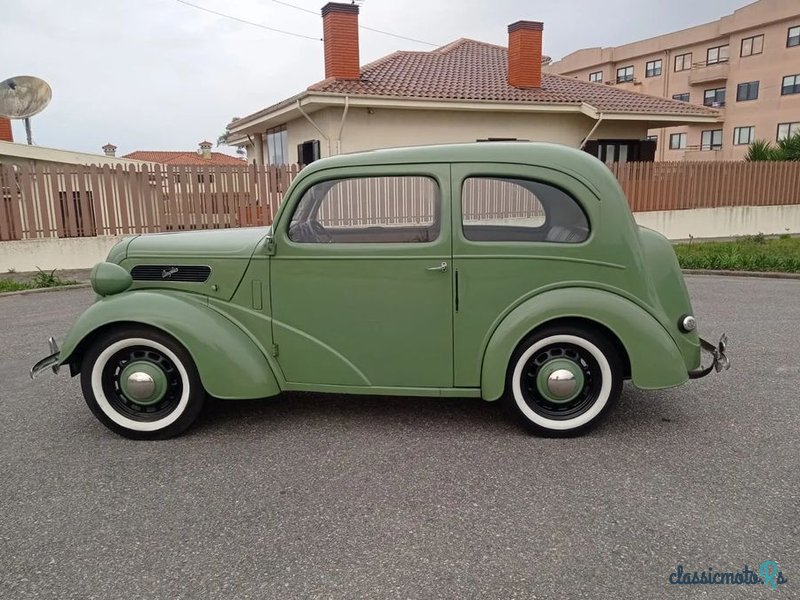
(496,209)
(392,209)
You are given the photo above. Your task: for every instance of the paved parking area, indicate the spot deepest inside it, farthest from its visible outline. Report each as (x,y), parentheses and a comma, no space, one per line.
(312,496)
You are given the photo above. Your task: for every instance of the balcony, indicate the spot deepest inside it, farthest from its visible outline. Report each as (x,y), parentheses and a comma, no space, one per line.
(702,153)
(703,72)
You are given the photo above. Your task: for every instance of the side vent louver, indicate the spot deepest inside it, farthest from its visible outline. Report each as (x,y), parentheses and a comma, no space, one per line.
(183,273)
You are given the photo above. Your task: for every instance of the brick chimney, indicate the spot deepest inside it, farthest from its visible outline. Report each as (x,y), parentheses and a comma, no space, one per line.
(525,54)
(6,134)
(205,150)
(340,32)
(110,149)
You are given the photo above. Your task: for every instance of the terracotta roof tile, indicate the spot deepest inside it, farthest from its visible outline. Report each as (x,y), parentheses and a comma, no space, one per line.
(185,158)
(471,70)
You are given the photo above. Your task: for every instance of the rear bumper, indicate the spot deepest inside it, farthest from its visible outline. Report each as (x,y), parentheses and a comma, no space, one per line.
(719,359)
(51,360)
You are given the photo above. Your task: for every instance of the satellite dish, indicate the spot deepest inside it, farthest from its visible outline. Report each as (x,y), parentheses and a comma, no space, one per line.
(22,97)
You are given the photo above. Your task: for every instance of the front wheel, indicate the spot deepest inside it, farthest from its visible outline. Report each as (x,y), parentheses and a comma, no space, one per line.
(141,383)
(562,381)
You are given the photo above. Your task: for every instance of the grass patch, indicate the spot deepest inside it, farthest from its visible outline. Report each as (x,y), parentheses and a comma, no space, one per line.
(7,285)
(748,253)
(42,279)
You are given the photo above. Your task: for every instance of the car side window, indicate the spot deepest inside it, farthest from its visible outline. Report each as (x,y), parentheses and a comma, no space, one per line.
(387,209)
(500,209)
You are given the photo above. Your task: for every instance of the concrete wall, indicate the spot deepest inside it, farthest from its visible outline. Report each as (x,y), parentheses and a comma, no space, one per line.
(54,253)
(722,222)
(22,154)
(82,253)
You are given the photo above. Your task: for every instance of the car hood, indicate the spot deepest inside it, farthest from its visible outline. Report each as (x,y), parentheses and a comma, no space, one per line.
(208,244)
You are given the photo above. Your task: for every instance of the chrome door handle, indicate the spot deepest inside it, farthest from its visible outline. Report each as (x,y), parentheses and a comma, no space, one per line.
(442,267)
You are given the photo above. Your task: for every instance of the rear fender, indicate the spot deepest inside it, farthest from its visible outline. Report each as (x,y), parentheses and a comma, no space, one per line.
(231,364)
(654,358)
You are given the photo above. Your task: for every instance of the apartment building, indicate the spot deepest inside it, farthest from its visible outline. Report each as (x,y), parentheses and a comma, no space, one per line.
(746,64)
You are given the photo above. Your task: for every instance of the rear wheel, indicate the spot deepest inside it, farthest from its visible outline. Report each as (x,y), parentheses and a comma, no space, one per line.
(562,381)
(141,384)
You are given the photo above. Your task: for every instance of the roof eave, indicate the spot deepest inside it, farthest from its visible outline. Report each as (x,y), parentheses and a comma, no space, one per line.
(662,117)
(313,101)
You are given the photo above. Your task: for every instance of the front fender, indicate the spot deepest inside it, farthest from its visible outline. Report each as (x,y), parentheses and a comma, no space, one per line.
(230,363)
(655,359)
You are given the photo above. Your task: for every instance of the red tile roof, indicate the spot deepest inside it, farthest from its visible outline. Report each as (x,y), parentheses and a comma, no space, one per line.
(185,158)
(471,70)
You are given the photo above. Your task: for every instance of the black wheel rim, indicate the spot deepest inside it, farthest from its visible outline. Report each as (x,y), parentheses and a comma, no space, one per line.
(585,399)
(127,407)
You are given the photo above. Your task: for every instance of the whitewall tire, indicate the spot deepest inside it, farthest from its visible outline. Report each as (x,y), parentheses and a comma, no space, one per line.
(563,380)
(141,383)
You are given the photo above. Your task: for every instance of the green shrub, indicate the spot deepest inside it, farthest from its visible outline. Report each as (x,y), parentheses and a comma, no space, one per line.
(748,253)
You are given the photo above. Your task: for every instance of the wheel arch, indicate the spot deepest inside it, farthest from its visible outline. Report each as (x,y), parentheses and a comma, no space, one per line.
(652,358)
(228,360)
(587,324)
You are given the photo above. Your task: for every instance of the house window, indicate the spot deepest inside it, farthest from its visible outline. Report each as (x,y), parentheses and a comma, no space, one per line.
(793,37)
(718,54)
(747,91)
(625,74)
(683,62)
(684,97)
(368,210)
(743,135)
(714,98)
(653,68)
(752,45)
(596,77)
(791,85)
(786,130)
(711,140)
(276,146)
(496,209)
(677,141)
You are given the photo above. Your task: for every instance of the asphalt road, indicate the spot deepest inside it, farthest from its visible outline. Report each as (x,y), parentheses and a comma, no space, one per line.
(312,496)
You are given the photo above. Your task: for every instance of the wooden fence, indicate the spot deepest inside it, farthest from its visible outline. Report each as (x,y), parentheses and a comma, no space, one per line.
(652,186)
(77,201)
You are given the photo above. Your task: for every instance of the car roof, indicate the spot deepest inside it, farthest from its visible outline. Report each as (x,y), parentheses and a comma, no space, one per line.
(563,158)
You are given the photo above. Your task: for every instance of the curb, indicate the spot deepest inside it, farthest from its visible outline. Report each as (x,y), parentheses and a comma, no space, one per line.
(57,288)
(761,274)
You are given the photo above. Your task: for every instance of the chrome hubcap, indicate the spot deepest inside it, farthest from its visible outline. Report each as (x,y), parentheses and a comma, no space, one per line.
(143,382)
(560,380)
(562,383)
(140,386)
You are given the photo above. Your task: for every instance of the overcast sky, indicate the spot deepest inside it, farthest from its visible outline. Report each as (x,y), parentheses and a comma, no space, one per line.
(159,75)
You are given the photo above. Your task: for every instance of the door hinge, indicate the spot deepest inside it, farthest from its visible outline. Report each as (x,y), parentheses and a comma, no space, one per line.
(269,247)
(274,349)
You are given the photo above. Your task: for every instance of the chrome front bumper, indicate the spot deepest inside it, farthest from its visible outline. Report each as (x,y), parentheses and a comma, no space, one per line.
(50,360)
(720,360)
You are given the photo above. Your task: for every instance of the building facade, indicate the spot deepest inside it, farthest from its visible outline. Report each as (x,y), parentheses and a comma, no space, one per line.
(465,91)
(746,64)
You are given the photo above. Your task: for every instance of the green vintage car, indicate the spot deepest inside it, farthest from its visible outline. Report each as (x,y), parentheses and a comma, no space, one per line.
(491,270)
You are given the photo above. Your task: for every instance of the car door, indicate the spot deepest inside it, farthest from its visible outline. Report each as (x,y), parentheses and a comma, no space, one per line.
(517,231)
(361,282)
